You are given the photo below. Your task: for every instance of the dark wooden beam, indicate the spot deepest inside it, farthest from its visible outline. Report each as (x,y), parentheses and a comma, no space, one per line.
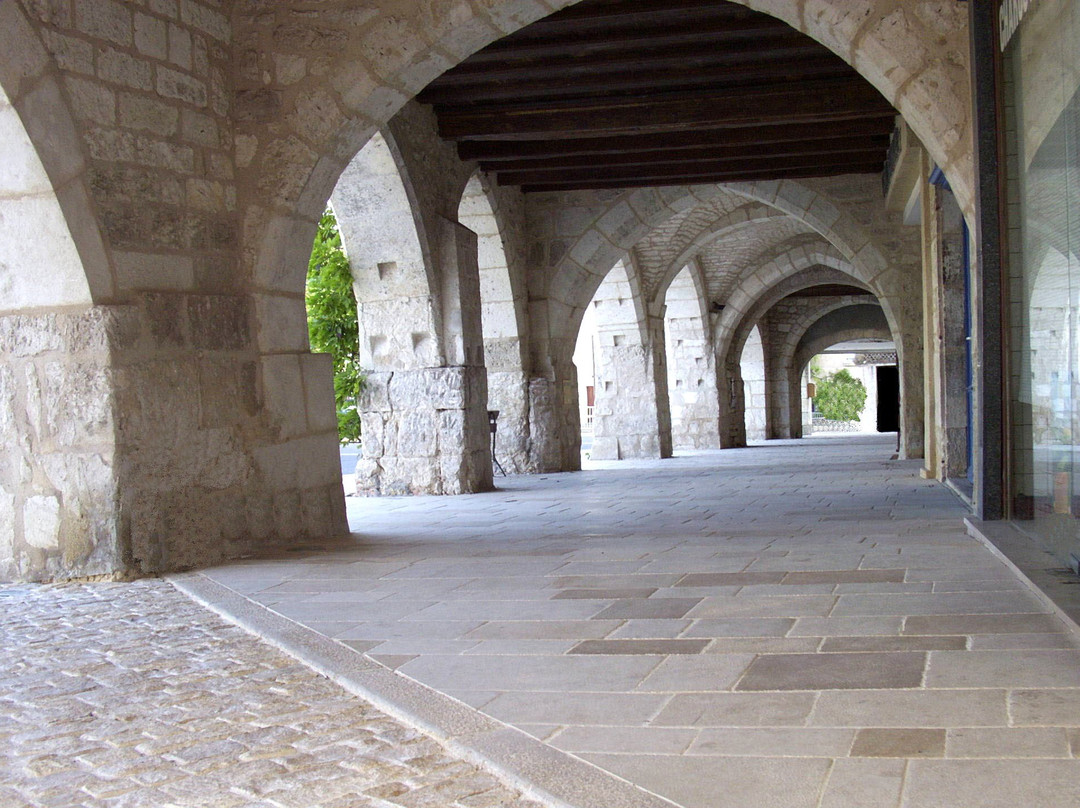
(753,136)
(690,56)
(852,147)
(786,67)
(747,176)
(670,32)
(808,103)
(680,172)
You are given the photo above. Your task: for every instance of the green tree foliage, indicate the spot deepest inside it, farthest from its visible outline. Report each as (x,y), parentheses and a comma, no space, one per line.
(840,397)
(332,323)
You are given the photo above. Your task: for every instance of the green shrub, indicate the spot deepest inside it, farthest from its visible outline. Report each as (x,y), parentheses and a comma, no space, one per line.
(332,323)
(840,397)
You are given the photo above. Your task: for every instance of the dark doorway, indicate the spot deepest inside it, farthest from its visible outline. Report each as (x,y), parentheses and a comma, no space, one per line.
(888,398)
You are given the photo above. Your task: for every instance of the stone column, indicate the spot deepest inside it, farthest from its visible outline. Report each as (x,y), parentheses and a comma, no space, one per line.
(425,429)
(627,415)
(694,406)
(58,474)
(731,388)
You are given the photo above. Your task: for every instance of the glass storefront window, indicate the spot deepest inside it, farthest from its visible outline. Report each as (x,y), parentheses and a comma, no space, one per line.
(1042,114)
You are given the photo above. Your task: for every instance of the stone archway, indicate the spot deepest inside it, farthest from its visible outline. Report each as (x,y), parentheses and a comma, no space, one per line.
(502,302)
(422,411)
(631,415)
(787,389)
(752,371)
(60,481)
(691,371)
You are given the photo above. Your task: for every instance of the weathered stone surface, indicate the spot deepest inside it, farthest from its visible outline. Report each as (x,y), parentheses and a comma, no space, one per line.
(172,702)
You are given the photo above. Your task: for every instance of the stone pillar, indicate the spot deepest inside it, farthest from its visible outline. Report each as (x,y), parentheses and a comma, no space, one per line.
(425,429)
(955,340)
(694,406)
(732,390)
(58,474)
(755,371)
(627,415)
(155,436)
(933,408)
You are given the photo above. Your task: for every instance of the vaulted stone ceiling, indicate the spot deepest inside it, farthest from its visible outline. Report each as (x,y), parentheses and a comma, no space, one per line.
(727,237)
(626,93)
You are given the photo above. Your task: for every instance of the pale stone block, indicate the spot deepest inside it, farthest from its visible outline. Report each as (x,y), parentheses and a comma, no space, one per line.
(283,393)
(286,250)
(41,522)
(33,235)
(206,19)
(44,114)
(21,171)
(91,101)
(179,46)
(7,534)
(107,19)
(158,271)
(317,370)
(281,323)
(121,68)
(151,36)
(182,87)
(25,59)
(141,113)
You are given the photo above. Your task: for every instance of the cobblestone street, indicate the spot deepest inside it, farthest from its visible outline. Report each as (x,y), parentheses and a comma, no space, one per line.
(134,695)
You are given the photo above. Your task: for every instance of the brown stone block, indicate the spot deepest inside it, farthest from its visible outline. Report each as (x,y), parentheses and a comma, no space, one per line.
(730,578)
(834,671)
(844,577)
(219,322)
(654,647)
(900,743)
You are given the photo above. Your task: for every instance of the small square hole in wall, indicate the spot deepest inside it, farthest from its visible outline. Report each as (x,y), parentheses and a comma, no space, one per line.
(678,382)
(386,269)
(700,382)
(420,342)
(380,346)
(607,387)
(617,340)
(678,343)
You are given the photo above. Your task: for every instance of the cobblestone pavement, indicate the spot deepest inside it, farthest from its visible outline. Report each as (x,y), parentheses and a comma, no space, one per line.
(133,695)
(794,625)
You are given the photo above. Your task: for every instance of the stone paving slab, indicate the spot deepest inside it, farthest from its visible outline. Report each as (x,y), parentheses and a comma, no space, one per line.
(799,623)
(133,695)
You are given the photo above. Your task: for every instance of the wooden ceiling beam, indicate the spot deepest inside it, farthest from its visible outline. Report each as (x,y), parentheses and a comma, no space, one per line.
(683,171)
(690,56)
(672,32)
(753,136)
(850,146)
(742,176)
(628,79)
(809,102)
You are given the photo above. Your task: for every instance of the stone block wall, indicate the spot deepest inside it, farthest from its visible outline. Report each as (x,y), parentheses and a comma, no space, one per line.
(223,450)
(630,414)
(58,476)
(425,431)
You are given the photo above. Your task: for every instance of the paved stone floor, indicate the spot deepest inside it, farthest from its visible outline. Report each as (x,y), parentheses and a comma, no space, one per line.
(790,625)
(133,695)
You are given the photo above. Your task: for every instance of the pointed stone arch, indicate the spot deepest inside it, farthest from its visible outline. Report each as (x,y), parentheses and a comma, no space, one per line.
(380,60)
(691,369)
(631,417)
(47,219)
(502,302)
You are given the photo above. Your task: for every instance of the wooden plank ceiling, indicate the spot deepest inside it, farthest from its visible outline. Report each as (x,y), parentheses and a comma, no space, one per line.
(624,93)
